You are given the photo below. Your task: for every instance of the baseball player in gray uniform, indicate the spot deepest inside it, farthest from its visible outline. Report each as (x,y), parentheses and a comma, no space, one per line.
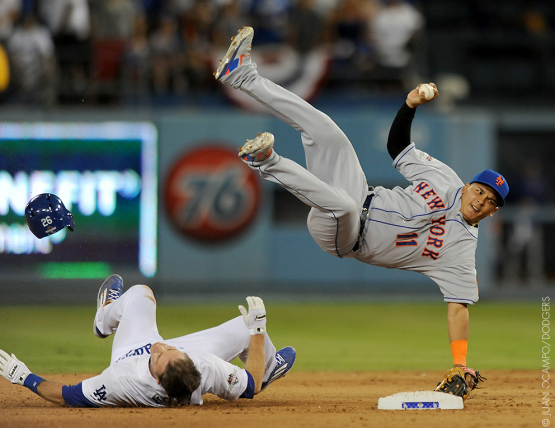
(146,370)
(429,227)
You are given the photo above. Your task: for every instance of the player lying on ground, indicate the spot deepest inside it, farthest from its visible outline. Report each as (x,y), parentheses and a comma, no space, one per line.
(430,227)
(146,370)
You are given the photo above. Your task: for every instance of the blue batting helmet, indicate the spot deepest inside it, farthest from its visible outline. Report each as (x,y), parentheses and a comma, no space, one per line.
(46,215)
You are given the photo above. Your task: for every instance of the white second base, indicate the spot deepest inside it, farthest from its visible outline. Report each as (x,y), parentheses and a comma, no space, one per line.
(419,400)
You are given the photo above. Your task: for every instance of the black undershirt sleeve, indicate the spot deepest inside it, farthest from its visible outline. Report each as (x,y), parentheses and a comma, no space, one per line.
(399,134)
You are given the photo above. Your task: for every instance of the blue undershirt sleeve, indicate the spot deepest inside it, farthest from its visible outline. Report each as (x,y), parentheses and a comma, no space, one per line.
(74,397)
(249,392)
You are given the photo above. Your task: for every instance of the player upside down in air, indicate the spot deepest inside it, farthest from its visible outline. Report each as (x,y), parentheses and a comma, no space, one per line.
(146,370)
(429,227)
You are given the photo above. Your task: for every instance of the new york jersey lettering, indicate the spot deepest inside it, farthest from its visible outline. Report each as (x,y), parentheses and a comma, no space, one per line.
(429,193)
(440,220)
(429,253)
(438,243)
(437,229)
(420,187)
(435,203)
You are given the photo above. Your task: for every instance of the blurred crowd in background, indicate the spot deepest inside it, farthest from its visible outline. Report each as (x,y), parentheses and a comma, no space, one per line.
(113,51)
(61,51)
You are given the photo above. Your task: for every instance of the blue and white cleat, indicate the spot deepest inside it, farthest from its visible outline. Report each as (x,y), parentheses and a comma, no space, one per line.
(285,358)
(259,149)
(110,290)
(239,53)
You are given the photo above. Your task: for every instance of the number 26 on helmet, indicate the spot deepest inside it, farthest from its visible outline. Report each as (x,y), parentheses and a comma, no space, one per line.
(46,214)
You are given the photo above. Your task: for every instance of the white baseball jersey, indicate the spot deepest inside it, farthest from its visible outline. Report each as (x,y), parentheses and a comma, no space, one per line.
(419,228)
(128,381)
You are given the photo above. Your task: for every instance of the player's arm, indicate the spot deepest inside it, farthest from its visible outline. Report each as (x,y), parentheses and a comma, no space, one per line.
(51,391)
(17,373)
(458,320)
(399,134)
(255,320)
(256,361)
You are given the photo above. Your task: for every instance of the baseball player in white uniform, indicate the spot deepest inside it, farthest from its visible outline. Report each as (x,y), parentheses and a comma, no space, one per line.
(429,227)
(146,370)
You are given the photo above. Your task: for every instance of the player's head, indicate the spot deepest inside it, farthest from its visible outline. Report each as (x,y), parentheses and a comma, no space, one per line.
(483,196)
(496,182)
(46,214)
(175,371)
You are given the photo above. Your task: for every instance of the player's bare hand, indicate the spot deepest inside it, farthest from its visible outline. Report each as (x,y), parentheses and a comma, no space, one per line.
(12,369)
(416,97)
(255,317)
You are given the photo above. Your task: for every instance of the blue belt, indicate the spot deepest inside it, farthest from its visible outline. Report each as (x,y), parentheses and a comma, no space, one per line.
(363,217)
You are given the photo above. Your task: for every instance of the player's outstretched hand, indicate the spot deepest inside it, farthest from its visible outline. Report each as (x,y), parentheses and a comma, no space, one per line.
(460,381)
(255,317)
(416,98)
(12,369)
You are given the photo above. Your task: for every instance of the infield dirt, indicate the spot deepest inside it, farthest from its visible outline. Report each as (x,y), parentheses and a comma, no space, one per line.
(304,399)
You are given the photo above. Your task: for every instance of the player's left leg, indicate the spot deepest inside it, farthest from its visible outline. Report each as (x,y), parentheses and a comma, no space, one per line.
(227,341)
(330,156)
(132,317)
(110,291)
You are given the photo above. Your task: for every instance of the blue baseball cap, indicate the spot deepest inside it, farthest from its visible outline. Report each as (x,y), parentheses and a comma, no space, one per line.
(496,181)
(46,214)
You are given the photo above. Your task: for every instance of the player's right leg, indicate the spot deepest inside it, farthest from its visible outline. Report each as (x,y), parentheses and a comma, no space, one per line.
(132,317)
(330,155)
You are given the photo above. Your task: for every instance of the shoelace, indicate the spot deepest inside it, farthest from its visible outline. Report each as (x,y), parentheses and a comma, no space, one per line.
(113,294)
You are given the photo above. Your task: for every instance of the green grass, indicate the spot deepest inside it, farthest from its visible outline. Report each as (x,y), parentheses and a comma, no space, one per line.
(327,336)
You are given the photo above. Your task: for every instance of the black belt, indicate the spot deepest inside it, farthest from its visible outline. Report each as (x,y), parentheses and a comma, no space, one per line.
(363,217)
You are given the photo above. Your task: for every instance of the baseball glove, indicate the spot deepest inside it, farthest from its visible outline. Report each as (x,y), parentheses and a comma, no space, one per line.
(460,381)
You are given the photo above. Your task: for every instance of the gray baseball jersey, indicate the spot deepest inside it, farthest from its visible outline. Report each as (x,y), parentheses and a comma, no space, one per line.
(419,228)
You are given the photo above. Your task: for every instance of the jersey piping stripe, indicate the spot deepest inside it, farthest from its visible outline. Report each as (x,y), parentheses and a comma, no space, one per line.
(395,225)
(462,224)
(421,215)
(418,228)
(457,298)
(296,191)
(412,144)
